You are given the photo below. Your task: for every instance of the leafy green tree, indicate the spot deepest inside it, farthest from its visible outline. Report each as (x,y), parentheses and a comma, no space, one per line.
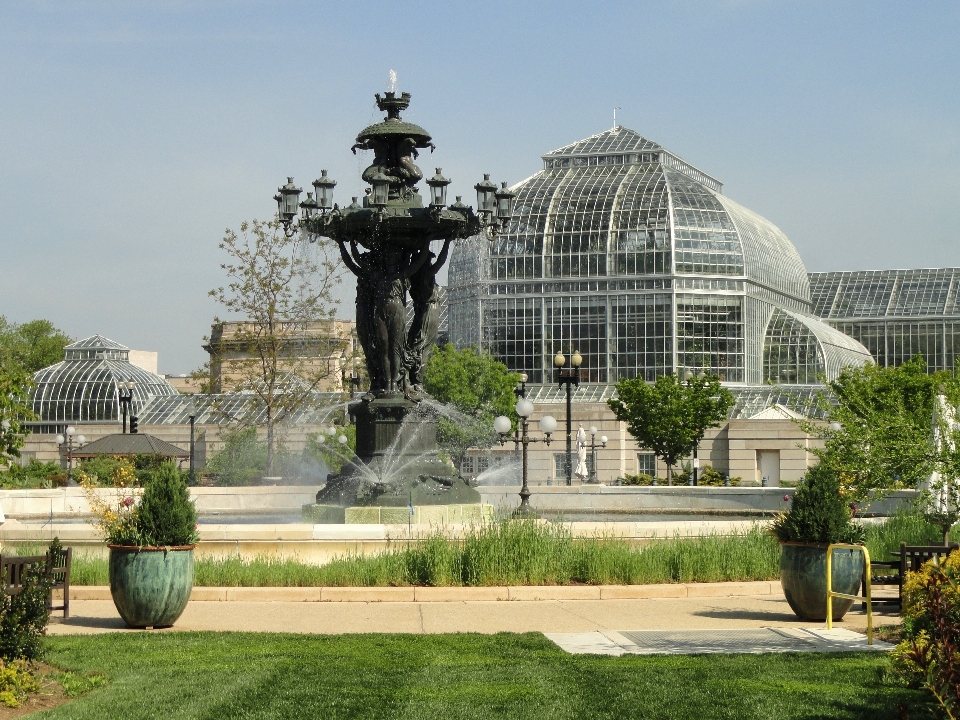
(671,416)
(478,387)
(278,286)
(878,432)
(242,460)
(32,345)
(15,383)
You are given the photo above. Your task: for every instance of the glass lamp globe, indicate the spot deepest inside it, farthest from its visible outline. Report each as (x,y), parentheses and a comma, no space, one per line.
(342,439)
(321,439)
(835,426)
(331,431)
(548,424)
(502,424)
(5,424)
(60,439)
(559,360)
(524,407)
(523,377)
(593,430)
(577,359)
(71,430)
(603,439)
(81,439)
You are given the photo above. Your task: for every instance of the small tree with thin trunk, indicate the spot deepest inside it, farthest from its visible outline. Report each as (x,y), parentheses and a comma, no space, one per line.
(280,288)
(670,417)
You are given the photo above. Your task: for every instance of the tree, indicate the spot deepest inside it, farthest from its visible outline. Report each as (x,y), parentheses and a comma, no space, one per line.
(33,345)
(670,417)
(15,383)
(478,387)
(279,289)
(879,429)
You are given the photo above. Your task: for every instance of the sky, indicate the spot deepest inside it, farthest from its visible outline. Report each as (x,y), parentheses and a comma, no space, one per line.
(133,134)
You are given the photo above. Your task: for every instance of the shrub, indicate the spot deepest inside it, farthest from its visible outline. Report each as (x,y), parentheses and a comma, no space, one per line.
(34,474)
(641,479)
(819,513)
(24,616)
(930,654)
(166,515)
(16,681)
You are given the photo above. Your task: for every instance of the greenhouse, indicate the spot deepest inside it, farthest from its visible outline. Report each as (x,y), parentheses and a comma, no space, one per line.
(622,250)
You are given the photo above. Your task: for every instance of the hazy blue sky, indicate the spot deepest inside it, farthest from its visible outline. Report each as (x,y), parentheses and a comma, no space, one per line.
(133,133)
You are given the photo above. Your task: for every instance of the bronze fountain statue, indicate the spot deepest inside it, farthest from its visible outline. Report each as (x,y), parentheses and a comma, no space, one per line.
(385,242)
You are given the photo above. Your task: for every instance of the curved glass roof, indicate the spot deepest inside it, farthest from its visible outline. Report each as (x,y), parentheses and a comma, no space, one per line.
(83,388)
(798,348)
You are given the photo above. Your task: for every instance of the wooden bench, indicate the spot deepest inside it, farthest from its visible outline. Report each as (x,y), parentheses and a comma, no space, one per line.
(57,564)
(911,559)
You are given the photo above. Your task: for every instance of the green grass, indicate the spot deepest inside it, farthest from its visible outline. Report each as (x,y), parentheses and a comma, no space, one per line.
(224,676)
(524,553)
(504,553)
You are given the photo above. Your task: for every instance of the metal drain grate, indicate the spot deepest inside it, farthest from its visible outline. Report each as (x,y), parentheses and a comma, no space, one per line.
(692,642)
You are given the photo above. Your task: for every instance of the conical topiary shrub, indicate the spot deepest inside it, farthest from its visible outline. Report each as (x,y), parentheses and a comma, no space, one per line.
(166,516)
(819,513)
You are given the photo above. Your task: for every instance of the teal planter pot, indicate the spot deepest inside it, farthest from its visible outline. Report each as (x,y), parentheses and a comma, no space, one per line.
(803,575)
(151,585)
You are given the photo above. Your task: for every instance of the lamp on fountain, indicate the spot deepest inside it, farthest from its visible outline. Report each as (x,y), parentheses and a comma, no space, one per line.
(287,197)
(323,188)
(438,191)
(593,451)
(502,425)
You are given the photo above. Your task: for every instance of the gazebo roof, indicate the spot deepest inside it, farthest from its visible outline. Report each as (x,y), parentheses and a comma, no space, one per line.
(130,444)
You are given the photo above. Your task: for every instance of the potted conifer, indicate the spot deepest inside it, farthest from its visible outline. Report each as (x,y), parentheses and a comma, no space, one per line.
(818,517)
(151,545)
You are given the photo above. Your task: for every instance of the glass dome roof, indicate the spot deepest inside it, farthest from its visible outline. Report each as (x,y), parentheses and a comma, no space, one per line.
(83,388)
(628,252)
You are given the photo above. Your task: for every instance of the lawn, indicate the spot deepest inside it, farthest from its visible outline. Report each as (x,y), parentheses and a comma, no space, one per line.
(245,675)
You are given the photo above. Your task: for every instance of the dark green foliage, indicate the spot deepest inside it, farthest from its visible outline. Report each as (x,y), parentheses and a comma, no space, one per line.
(24,616)
(166,515)
(502,676)
(34,474)
(330,452)
(671,416)
(242,460)
(818,513)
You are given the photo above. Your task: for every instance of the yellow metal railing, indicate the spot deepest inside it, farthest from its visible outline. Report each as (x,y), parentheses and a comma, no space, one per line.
(831,594)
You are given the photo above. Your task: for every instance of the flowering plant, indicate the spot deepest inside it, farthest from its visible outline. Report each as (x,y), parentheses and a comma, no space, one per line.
(161,515)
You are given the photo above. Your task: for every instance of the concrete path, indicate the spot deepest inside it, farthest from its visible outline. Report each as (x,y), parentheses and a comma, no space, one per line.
(478,616)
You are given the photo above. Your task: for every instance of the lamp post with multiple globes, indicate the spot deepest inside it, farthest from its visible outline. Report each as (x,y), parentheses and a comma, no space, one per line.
(71,440)
(593,451)
(502,425)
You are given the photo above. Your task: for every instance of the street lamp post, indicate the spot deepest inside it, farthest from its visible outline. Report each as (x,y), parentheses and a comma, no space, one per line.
(193,417)
(70,441)
(125,395)
(688,376)
(593,451)
(568,377)
(502,425)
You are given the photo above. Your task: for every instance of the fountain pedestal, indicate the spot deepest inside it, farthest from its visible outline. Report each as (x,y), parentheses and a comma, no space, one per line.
(397,462)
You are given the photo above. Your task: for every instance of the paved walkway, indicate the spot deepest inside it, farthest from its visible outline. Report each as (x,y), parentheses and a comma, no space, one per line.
(604,619)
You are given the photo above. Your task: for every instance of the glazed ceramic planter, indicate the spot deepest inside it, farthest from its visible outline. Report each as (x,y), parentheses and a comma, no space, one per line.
(151,585)
(803,575)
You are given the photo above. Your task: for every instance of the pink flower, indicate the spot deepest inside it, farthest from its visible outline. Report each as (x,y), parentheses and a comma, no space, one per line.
(853,507)
(127,501)
(786,498)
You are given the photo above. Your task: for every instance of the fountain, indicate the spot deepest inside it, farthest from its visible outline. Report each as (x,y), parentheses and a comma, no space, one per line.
(385,241)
